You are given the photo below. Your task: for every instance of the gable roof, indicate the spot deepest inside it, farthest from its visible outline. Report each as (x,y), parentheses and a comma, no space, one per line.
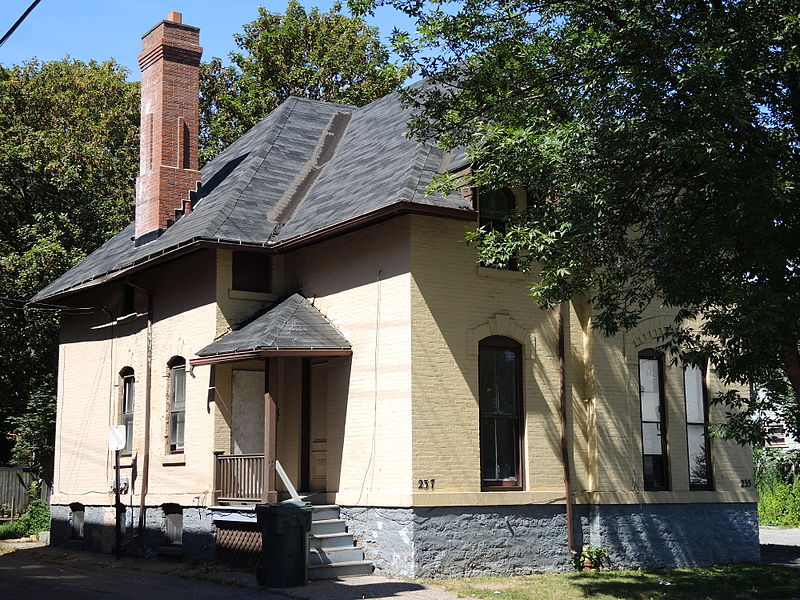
(292,325)
(306,168)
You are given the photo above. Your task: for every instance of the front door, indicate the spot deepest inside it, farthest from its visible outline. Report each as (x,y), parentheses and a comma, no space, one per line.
(318,426)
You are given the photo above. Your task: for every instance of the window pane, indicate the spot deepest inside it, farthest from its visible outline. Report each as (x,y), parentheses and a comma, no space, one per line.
(488,383)
(651,438)
(178,388)
(506,437)
(649,389)
(176,430)
(693,385)
(698,462)
(127,420)
(506,364)
(655,473)
(488,450)
(127,395)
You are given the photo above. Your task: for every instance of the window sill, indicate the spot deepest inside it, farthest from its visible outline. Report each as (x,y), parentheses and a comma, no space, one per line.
(125,461)
(127,318)
(174,460)
(243,295)
(502,274)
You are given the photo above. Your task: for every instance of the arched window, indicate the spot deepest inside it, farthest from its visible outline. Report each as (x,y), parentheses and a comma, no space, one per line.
(654,430)
(177,402)
(696,396)
(500,400)
(126,406)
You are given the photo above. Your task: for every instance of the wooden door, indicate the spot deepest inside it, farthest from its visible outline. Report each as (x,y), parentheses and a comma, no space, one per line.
(318,427)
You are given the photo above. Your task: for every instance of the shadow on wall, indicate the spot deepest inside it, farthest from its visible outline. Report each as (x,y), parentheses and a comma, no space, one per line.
(92,528)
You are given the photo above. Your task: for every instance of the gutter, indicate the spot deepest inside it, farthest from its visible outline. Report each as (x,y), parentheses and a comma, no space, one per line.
(562,394)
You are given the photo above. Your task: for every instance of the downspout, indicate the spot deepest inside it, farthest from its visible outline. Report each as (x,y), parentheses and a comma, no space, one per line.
(147,394)
(564,432)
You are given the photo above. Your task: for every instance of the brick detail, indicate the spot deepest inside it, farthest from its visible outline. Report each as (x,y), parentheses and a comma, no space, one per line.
(170,111)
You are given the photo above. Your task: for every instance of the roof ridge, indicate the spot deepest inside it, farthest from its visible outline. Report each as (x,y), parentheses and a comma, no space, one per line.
(234,198)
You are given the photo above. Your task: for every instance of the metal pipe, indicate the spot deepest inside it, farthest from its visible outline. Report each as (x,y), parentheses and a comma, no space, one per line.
(147,396)
(562,392)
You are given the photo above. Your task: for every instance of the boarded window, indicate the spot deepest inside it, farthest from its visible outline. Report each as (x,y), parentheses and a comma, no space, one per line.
(252,272)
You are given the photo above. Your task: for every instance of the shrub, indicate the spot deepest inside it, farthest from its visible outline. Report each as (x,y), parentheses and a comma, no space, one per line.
(36,518)
(779,490)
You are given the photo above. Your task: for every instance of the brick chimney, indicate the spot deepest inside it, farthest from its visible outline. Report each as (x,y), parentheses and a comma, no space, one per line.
(170,64)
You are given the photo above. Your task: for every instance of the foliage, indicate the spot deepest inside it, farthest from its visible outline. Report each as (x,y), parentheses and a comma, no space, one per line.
(777,476)
(709,583)
(68,161)
(36,518)
(592,557)
(659,144)
(322,56)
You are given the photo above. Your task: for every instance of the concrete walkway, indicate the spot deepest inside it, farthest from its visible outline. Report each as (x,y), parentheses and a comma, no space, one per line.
(779,536)
(32,570)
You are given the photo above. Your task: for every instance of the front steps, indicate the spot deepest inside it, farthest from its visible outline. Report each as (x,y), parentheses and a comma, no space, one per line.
(332,551)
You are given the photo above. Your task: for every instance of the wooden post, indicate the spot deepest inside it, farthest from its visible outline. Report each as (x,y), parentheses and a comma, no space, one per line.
(268,492)
(215,476)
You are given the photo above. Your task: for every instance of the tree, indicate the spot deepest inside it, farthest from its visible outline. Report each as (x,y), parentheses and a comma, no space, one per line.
(68,162)
(660,143)
(322,56)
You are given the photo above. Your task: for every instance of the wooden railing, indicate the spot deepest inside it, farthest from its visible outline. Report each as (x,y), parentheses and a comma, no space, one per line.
(238,477)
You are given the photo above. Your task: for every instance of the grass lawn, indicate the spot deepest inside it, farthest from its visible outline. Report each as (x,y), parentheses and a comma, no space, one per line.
(709,583)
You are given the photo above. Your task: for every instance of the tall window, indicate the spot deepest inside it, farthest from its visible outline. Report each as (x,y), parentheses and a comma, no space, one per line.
(654,434)
(500,399)
(177,402)
(494,207)
(694,387)
(126,406)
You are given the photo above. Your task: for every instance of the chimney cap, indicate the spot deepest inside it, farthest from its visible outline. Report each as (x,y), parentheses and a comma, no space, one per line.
(175,17)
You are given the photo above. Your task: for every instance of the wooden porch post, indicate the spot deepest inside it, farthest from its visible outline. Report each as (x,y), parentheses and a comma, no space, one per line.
(268,491)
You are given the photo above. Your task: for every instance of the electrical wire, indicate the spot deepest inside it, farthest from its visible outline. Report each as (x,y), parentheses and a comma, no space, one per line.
(19,22)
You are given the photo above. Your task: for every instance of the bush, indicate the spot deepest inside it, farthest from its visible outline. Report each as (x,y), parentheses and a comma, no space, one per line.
(36,518)
(779,490)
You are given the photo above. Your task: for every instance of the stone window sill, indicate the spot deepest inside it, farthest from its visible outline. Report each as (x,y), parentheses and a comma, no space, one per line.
(242,295)
(174,460)
(502,274)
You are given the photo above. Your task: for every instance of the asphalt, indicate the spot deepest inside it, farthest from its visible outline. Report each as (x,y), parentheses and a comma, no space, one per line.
(32,570)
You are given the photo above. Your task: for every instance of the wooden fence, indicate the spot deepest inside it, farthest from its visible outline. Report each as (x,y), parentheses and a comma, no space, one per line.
(14,497)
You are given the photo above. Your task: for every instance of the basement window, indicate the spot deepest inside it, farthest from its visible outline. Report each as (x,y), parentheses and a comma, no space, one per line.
(173,524)
(252,272)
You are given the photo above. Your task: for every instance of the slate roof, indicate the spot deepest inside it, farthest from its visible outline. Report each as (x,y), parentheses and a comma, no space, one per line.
(293,324)
(307,166)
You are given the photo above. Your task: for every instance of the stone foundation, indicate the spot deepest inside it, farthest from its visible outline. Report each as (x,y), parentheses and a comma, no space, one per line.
(463,541)
(98,531)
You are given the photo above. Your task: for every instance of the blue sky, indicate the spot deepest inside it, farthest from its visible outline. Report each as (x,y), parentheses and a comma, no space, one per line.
(102,29)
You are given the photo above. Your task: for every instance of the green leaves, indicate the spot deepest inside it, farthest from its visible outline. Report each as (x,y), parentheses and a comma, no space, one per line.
(309,54)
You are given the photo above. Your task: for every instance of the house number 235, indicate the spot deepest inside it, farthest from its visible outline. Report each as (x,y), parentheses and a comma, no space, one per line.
(747,483)
(425,484)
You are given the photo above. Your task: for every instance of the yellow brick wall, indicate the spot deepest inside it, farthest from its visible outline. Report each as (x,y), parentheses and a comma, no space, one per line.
(455,304)
(93,352)
(361,282)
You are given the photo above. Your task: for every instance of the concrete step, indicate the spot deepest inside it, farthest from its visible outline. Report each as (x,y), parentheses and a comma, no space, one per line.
(345,569)
(327,526)
(324,512)
(327,556)
(332,540)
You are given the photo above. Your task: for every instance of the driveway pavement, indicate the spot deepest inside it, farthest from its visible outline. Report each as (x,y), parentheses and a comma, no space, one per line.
(779,536)
(34,571)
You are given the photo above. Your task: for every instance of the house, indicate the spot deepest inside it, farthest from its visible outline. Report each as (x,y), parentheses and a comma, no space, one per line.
(300,301)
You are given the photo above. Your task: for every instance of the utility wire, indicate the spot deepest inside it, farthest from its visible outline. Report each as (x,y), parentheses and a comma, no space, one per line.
(19,22)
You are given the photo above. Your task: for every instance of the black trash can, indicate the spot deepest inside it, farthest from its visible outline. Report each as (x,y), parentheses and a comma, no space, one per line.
(285,530)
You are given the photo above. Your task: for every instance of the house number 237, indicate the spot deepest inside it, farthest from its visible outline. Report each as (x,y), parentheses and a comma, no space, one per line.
(425,484)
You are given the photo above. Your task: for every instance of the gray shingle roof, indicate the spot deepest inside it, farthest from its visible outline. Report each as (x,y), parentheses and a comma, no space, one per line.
(305,167)
(293,324)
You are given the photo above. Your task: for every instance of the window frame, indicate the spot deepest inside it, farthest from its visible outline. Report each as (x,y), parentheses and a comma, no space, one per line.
(175,364)
(499,342)
(240,282)
(709,485)
(651,354)
(496,223)
(127,406)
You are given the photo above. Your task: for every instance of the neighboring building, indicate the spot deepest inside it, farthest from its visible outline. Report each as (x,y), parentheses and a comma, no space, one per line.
(309,299)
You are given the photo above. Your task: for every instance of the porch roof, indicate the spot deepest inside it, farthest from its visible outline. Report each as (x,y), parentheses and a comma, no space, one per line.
(293,327)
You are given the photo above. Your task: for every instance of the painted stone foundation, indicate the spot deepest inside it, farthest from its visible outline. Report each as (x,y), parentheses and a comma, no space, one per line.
(463,541)
(98,531)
